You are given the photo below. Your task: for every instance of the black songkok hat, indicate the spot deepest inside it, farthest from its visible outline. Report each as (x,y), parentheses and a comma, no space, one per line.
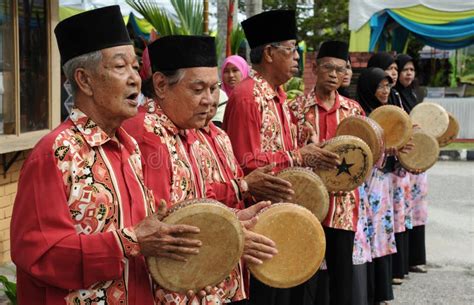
(334,48)
(91,31)
(174,52)
(271,26)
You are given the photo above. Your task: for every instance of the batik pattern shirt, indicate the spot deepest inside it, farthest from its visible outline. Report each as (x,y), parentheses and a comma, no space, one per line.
(80,194)
(172,171)
(260,125)
(343,210)
(220,167)
(401,197)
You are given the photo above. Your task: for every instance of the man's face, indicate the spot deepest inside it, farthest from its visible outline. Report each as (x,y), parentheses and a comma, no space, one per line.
(346,81)
(115,84)
(330,72)
(285,60)
(188,102)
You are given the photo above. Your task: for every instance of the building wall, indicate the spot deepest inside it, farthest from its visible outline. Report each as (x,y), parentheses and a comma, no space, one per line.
(8,190)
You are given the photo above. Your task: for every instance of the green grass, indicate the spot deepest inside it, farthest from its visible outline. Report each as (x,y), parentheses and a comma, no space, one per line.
(459,145)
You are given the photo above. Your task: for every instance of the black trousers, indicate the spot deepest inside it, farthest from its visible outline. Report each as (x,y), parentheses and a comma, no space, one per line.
(261,294)
(400,259)
(379,280)
(416,241)
(339,247)
(359,285)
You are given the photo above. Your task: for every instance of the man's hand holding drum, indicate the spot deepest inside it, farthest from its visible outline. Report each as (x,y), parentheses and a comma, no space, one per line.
(313,155)
(257,248)
(263,185)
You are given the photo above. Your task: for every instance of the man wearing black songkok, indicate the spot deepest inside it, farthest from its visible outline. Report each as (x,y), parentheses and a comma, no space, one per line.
(81,225)
(322,109)
(260,124)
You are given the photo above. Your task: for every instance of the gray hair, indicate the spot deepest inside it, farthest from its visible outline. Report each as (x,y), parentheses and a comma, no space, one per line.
(173,76)
(88,61)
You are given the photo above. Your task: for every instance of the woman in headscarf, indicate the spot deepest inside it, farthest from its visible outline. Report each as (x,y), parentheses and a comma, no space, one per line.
(400,186)
(373,91)
(234,70)
(346,82)
(417,203)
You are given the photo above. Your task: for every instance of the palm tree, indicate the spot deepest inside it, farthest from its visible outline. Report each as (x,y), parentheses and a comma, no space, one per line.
(187,18)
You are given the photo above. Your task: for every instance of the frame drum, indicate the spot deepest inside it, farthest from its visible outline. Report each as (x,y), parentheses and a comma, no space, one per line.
(366,129)
(356,164)
(299,238)
(396,125)
(432,118)
(310,191)
(423,156)
(222,240)
(451,133)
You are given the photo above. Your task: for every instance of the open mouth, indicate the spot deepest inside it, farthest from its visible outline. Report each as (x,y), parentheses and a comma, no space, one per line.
(132,96)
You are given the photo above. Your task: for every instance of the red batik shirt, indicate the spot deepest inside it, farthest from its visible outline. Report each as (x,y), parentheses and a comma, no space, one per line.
(80,193)
(219,165)
(172,172)
(343,210)
(260,125)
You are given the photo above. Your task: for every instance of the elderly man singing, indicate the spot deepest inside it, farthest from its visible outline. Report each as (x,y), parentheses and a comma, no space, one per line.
(185,80)
(82,219)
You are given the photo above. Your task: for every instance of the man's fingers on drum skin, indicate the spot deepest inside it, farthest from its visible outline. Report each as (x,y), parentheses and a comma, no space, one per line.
(257,241)
(279,185)
(173,256)
(252,260)
(180,229)
(179,249)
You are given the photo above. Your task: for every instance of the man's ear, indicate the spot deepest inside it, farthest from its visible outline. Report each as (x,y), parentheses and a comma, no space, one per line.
(267,54)
(315,67)
(159,84)
(84,81)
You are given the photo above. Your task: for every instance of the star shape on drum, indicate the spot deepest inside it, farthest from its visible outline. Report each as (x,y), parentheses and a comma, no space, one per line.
(344,167)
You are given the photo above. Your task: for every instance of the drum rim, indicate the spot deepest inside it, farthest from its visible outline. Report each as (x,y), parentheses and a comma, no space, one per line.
(447,138)
(312,175)
(377,129)
(153,264)
(405,162)
(362,177)
(318,226)
(405,116)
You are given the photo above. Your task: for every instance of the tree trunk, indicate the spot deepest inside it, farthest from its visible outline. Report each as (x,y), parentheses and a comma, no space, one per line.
(222,7)
(253,7)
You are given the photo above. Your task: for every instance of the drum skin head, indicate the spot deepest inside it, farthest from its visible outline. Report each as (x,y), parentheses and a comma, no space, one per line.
(451,133)
(310,191)
(396,125)
(299,238)
(366,129)
(432,118)
(423,156)
(356,165)
(222,240)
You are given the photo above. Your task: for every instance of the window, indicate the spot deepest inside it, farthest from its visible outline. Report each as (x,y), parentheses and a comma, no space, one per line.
(29,72)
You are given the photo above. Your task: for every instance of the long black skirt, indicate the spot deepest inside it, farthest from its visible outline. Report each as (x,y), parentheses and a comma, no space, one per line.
(400,259)
(416,239)
(359,285)
(379,280)
(339,248)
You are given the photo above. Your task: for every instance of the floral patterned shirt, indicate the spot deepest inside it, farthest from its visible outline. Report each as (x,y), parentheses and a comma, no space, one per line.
(343,210)
(221,169)
(171,162)
(80,193)
(260,125)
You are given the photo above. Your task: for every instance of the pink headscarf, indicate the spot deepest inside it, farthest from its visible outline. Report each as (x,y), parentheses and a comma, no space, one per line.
(241,64)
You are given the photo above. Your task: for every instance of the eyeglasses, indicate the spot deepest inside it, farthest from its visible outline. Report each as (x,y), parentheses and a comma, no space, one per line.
(386,87)
(332,67)
(292,49)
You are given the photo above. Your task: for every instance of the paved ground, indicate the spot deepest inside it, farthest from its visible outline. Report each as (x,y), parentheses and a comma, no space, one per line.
(449,239)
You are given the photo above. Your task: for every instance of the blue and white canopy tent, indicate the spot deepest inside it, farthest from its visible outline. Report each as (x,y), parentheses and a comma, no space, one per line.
(385,25)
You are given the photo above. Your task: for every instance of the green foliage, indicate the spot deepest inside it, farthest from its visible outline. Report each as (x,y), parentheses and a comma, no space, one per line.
(236,38)
(9,288)
(294,87)
(324,20)
(187,19)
